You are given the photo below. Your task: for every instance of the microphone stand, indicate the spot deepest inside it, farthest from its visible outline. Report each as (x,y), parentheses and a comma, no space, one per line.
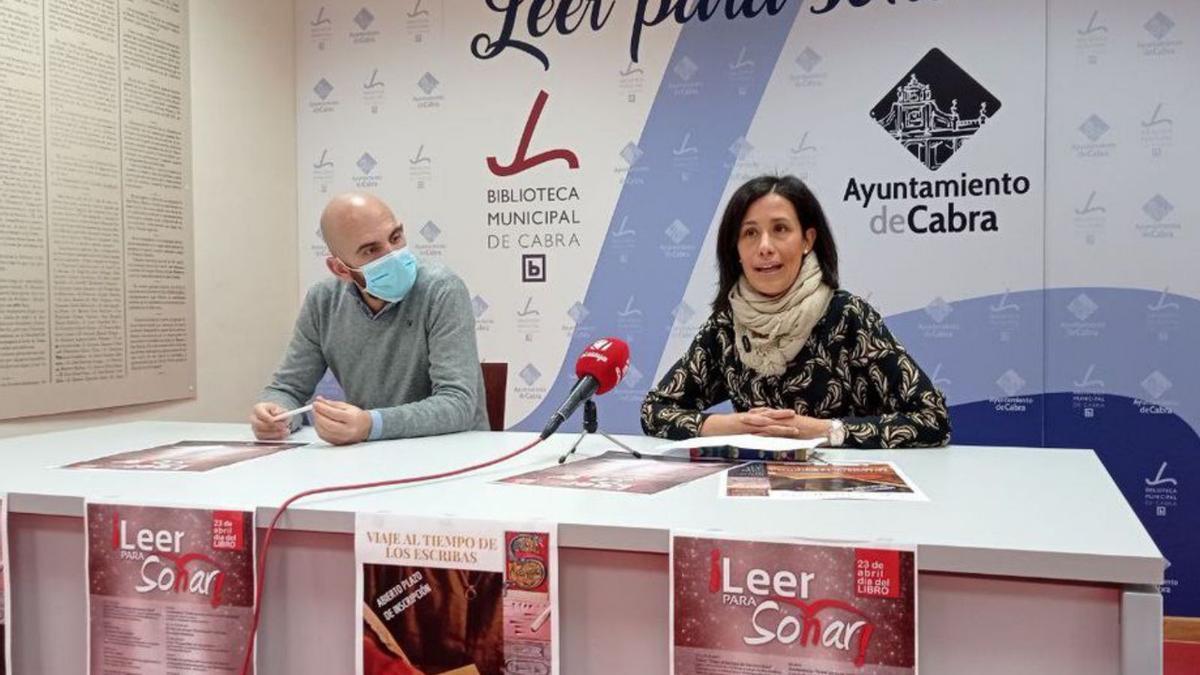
(591,425)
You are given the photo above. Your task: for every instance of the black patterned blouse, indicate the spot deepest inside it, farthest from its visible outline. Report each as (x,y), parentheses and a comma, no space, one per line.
(851,368)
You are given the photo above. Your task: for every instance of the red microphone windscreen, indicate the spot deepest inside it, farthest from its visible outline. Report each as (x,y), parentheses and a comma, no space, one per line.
(606,359)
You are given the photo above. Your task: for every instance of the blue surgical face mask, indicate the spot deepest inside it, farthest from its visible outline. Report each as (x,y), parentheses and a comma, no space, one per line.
(390,277)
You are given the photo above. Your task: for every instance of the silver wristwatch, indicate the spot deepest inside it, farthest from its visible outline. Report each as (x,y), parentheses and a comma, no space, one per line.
(837,433)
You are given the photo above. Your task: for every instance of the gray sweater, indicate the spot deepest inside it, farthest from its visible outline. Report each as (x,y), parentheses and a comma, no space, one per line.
(414,365)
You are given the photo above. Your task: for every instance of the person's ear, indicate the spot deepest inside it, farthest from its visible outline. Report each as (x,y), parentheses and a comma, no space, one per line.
(338,269)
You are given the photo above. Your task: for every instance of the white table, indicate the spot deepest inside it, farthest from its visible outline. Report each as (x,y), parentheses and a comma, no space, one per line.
(1030,561)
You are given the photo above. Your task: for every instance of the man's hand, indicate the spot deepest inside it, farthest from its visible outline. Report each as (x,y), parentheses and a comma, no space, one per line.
(340,423)
(264,428)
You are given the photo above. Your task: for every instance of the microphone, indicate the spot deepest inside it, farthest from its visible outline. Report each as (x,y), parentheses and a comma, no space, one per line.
(599,368)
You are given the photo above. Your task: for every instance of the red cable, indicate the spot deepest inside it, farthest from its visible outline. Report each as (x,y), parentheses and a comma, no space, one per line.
(262,556)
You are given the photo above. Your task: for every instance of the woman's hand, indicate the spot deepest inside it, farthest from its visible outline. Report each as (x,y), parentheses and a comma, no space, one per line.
(766,422)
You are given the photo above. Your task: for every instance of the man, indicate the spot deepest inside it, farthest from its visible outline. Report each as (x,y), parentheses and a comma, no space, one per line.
(397,334)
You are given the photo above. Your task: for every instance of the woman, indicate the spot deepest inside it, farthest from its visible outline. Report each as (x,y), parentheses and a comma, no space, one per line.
(796,356)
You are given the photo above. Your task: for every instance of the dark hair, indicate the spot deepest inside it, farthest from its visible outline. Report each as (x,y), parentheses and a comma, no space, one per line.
(808,210)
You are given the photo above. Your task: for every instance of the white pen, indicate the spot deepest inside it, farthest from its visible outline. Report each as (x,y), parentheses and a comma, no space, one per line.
(541,619)
(284,415)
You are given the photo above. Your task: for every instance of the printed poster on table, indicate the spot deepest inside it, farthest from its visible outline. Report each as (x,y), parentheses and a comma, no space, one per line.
(619,472)
(740,606)
(170,590)
(455,597)
(5,633)
(185,456)
(882,481)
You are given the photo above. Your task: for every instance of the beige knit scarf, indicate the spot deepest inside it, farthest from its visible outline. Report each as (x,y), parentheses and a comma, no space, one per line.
(770,331)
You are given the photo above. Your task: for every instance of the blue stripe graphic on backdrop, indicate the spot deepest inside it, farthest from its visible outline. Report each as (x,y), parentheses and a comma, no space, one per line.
(1121,378)
(988,348)
(1098,341)
(704,106)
